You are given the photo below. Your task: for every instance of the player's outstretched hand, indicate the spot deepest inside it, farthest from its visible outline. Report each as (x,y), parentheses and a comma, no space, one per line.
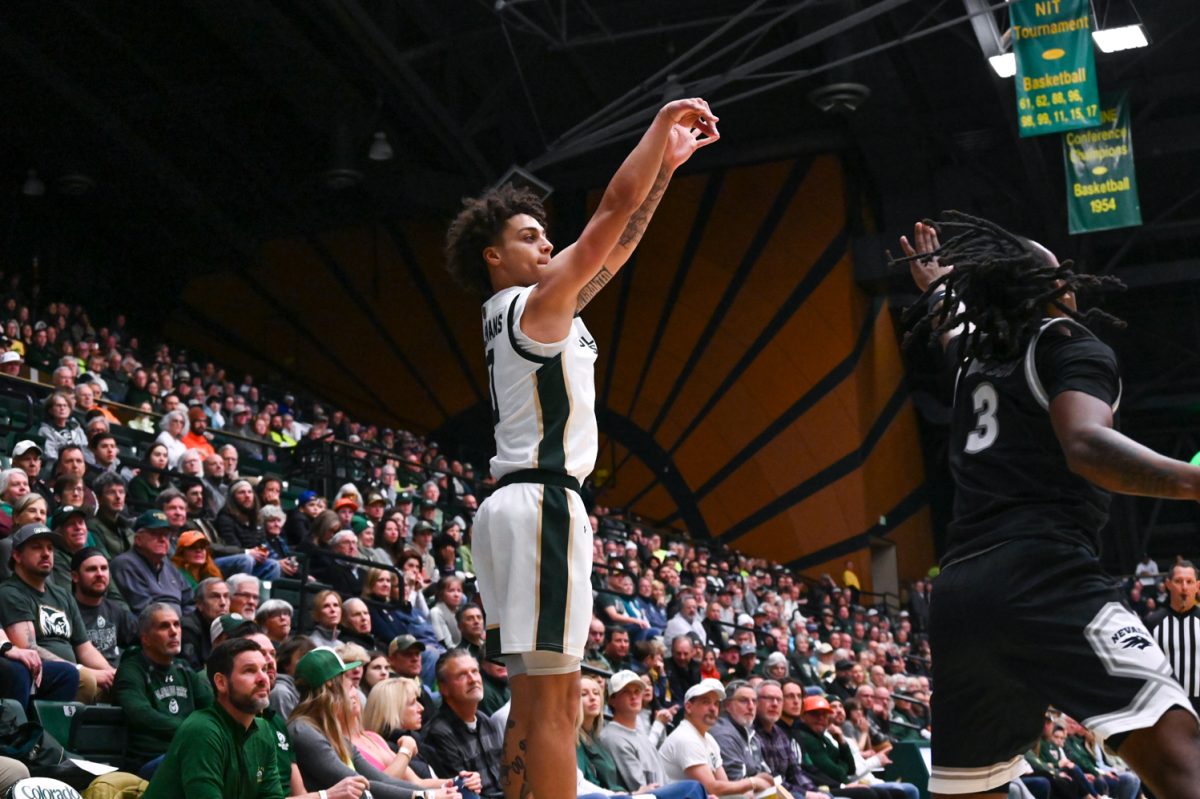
(682,142)
(692,112)
(924,270)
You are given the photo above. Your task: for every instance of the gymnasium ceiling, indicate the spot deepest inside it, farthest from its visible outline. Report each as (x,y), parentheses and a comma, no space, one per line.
(176,138)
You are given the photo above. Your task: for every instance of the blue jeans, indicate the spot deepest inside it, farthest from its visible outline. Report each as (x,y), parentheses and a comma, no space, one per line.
(244,564)
(684,789)
(60,681)
(909,790)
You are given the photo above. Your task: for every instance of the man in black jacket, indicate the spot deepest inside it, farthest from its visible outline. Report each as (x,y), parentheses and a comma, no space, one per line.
(683,671)
(460,738)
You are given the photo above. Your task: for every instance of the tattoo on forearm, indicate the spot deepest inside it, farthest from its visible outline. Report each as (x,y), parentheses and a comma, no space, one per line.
(1134,472)
(641,217)
(592,288)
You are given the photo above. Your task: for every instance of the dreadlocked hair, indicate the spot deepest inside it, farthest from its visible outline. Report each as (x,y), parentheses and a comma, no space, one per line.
(478,226)
(997,291)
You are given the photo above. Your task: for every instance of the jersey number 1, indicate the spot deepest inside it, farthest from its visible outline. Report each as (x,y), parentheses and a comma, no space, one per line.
(987,427)
(491,367)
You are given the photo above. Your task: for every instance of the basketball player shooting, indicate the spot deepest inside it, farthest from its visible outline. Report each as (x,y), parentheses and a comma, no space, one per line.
(1022,615)
(532,542)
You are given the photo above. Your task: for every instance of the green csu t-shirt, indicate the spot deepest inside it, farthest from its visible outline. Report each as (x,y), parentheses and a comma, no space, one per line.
(57,623)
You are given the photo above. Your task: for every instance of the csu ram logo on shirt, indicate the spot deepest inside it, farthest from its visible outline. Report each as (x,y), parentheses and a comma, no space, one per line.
(54,623)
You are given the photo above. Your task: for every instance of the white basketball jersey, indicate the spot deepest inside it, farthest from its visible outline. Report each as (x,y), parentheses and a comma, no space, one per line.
(543,395)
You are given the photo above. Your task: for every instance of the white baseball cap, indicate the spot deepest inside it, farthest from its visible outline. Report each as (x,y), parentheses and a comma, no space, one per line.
(704,687)
(12,356)
(622,680)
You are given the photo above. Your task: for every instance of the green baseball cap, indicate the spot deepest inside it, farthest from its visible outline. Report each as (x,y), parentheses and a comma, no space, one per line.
(320,666)
(152,520)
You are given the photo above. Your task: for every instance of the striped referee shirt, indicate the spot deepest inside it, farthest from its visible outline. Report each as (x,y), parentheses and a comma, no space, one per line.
(1179,636)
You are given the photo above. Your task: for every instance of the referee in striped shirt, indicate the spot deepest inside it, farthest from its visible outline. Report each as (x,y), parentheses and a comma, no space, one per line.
(1176,628)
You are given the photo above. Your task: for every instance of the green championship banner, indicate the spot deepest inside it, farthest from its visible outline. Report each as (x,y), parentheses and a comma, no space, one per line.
(1101,185)
(1056,67)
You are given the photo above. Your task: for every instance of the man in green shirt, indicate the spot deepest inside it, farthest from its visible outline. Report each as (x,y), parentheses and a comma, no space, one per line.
(36,613)
(155,686)
(225,751)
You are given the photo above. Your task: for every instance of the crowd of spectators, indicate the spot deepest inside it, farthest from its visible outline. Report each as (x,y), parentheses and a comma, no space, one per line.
(141,582)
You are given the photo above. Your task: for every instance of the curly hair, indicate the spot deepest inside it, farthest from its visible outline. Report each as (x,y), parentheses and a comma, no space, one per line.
(477,227)
(998,290)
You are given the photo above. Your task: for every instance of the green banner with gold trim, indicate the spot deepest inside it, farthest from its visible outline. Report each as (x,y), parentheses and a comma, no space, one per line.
(1056,67)
(1101,184)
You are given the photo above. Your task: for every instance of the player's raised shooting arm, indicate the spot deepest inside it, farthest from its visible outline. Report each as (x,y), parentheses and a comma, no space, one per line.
(1098,453)
(554,301)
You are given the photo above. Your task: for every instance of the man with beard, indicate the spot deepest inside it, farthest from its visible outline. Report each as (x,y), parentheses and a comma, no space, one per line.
(691,753)
(110,626)
(214,482)
(37,613)
(225,751)
(157,689)
(70,523)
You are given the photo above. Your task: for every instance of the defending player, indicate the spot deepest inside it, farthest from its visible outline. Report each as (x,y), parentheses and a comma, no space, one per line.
(532,542)
(1022,614)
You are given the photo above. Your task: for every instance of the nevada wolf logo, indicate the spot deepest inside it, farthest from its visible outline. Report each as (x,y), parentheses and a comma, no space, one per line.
(54,622)
(1135,641)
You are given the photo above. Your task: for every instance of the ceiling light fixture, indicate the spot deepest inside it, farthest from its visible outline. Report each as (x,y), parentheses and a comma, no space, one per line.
(1004,65)
(1126,37)
(381,148)
(33,186)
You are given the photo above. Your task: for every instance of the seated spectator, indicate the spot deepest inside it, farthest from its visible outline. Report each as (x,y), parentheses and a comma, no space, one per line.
(422,544)
(30,509)
(212,602)
(109,528)
(368,548)
(445,555)
(275,618)
(271,519)
(682,670)
(327,618)
(145,573)
(238,523)
(14,484)
(37,613)
(59,429)
(405,660)
(197,438)
(345,576)
(27,456)
(102,447)
(244,591)
(353,653)
(216,749)
(110,626)
(828,760)
(633,751)
(711,667)
(157,689)
(193,558)
(393,709)
(691,752)
(779,755)
(387,621)
(296,528)
(320,727)
(592,758)
(616,650)
(269,490)
(593,650)
(652,601)
(741,754)
(172,428)
(460,738)
(356,623)
(150,480)
(449,598)
(285,696)
(686,621)
(376,671)
(215,488)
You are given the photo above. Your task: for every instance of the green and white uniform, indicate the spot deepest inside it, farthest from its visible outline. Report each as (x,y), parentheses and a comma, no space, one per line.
(532,542)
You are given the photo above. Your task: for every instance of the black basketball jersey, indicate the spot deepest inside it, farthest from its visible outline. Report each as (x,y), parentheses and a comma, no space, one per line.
(1010,473)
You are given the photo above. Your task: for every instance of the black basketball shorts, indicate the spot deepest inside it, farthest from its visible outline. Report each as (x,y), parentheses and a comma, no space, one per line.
(1027,625)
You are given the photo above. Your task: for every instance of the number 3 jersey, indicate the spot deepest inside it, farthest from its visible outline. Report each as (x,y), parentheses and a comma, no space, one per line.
(1010,473)
(543,395)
